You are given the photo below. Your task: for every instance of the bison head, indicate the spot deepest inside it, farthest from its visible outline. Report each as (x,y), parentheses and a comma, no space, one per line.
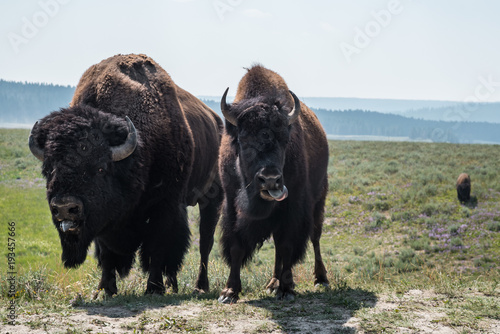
(261,128)
(84,153)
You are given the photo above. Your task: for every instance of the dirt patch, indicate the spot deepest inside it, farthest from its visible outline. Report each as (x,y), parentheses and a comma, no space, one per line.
(414,312)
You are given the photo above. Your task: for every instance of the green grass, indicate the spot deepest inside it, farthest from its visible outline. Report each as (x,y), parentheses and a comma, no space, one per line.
(393,224)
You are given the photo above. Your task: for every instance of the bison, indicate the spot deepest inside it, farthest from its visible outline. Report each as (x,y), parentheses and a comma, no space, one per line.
(463,188)
(273,166)
(121,165)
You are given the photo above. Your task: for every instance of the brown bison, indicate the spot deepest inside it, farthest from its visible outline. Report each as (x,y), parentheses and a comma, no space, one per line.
(273,166)
(463,188)
(122,162)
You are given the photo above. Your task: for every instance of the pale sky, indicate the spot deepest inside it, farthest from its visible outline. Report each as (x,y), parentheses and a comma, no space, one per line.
(401,49)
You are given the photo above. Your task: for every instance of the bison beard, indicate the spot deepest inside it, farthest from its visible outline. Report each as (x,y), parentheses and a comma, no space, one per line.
(119,169)
(74,249)
(273,163)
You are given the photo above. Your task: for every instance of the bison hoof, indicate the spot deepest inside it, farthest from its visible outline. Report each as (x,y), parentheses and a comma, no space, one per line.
(202,285)
(198,291)
(155,289)
(154,292)
(286,296)
(228,296)
(227,300)
(171,283)
(273,286)
(108,293)
(322,285)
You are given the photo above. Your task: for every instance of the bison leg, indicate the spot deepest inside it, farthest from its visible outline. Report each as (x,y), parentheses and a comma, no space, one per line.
(233,286)
(285,290)
(165,244)
(319,267)
(177,241)
(111,263)
(155,281)
(209,216)
(108,282)
(107,261)
(274,283)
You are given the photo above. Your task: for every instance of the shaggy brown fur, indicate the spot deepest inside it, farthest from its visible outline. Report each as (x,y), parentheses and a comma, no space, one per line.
(138,202)
(268,144)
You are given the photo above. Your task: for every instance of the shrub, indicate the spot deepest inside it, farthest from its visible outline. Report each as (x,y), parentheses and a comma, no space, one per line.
(431,190)
(453,229)
(382,205)
(420,244)
(359,251)
(392,168)
(466,212)
(493,226)
(334,201)
(456,242)
(430,209)
(377,220)
(407,261)
(354,200)
(403,216)
(369,206)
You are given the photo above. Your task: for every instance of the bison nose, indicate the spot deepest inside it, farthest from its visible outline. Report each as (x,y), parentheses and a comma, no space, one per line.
(66,208)
(269,180)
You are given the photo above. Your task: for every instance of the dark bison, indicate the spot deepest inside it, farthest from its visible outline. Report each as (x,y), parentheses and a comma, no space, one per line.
(122,162)
(273,166)
(463,188)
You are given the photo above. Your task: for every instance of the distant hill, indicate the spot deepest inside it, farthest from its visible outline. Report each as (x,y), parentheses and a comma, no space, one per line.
(438,121)
(368,123)
(22,102)
(346,103)
(380,105)
(450,111)
(481,112)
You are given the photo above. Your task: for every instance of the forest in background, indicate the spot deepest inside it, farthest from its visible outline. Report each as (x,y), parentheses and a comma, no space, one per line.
(27,102)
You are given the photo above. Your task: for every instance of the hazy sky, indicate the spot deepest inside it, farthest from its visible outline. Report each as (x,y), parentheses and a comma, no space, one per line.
(408,49)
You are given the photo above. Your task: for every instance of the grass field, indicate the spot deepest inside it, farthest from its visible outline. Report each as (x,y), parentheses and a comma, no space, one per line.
(402,255)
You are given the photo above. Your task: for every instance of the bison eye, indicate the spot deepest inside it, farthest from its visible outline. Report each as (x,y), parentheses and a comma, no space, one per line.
(101,170)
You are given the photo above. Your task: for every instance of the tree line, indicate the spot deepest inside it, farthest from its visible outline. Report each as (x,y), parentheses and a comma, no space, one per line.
(23,102)
(360,122)
(26,102)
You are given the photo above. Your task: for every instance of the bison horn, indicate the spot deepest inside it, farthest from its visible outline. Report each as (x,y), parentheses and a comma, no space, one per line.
(294,114)
(34,148)
(225,109)
(128,147)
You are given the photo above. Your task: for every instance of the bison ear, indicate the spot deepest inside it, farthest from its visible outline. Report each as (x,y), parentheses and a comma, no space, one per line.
(225,108)
(34,148)
(294,114)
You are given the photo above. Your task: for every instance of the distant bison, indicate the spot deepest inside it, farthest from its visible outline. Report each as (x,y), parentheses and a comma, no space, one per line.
(463,188)
(273,166)
(121,165)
